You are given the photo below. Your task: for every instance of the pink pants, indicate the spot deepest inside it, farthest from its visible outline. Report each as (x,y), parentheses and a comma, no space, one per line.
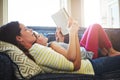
(94,38)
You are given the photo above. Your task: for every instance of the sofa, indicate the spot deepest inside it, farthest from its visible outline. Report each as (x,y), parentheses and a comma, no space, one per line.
(7,68)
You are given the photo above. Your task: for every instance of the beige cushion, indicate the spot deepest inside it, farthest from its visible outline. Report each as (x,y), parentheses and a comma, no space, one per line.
(26,67)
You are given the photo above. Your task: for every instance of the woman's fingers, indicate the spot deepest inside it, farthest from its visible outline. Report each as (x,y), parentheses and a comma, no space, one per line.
(70,21)
(59,36)
(73,26)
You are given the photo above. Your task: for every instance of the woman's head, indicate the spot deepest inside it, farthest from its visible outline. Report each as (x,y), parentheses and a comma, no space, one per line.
(16,33)
(26,37)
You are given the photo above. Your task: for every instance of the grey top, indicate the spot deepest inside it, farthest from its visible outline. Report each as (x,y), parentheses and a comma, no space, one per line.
(84,54)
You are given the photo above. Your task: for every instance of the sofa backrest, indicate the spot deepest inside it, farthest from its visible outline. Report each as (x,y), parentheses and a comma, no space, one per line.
(113,34)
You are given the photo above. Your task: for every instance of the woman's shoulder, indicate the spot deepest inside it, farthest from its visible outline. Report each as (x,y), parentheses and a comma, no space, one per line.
(37,45)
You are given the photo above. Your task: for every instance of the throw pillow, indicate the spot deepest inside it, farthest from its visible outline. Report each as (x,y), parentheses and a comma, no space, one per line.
(26,67)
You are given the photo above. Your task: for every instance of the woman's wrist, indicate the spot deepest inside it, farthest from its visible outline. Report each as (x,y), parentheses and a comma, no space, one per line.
(50,43)
(72,33)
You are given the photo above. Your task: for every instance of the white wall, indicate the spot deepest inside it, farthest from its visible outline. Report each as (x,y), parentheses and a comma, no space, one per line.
(3,11)
(76,10)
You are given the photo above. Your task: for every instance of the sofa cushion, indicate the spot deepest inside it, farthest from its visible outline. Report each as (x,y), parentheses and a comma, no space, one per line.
(6,69)
(25,67)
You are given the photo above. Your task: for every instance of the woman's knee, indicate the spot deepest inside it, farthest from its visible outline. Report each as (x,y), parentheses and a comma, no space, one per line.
(96,26)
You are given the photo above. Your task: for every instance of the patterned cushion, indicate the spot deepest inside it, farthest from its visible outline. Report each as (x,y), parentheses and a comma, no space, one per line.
(26,67)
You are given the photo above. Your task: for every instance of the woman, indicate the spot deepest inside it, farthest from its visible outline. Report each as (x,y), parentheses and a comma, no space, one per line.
(50,60)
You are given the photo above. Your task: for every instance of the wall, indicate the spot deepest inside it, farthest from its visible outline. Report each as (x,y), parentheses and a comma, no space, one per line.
(76,10)
(3,11)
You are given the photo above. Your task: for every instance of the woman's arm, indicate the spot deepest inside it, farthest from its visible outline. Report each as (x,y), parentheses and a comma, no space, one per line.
(74,46)
(73,51)
(58,48)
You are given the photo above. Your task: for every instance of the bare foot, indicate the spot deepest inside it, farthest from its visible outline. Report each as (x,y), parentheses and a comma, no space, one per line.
(113,52)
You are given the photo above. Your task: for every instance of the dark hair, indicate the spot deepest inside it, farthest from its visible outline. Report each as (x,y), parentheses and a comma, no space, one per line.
(8,33)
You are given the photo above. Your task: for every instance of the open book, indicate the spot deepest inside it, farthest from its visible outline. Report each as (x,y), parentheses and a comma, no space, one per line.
(61,19)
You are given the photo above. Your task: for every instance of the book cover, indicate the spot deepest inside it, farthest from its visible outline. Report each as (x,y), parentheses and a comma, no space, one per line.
(61,19)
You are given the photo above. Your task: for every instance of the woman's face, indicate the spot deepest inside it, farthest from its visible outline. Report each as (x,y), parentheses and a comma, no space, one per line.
(26,37)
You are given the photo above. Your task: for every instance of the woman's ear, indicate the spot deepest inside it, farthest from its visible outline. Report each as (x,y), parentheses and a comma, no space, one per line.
(18,38)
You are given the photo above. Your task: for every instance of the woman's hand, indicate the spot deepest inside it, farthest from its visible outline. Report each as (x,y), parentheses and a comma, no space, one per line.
(73,26)
(73,50)
(41,39)
(59,36)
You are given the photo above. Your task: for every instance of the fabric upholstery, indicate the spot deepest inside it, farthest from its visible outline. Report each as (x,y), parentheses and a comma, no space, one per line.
(114,37)
(6,69)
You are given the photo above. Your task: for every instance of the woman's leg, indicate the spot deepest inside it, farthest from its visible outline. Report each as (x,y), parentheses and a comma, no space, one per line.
(106,64)
(95,37)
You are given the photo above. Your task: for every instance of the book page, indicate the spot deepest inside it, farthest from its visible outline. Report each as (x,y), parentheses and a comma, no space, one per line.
(61,19)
